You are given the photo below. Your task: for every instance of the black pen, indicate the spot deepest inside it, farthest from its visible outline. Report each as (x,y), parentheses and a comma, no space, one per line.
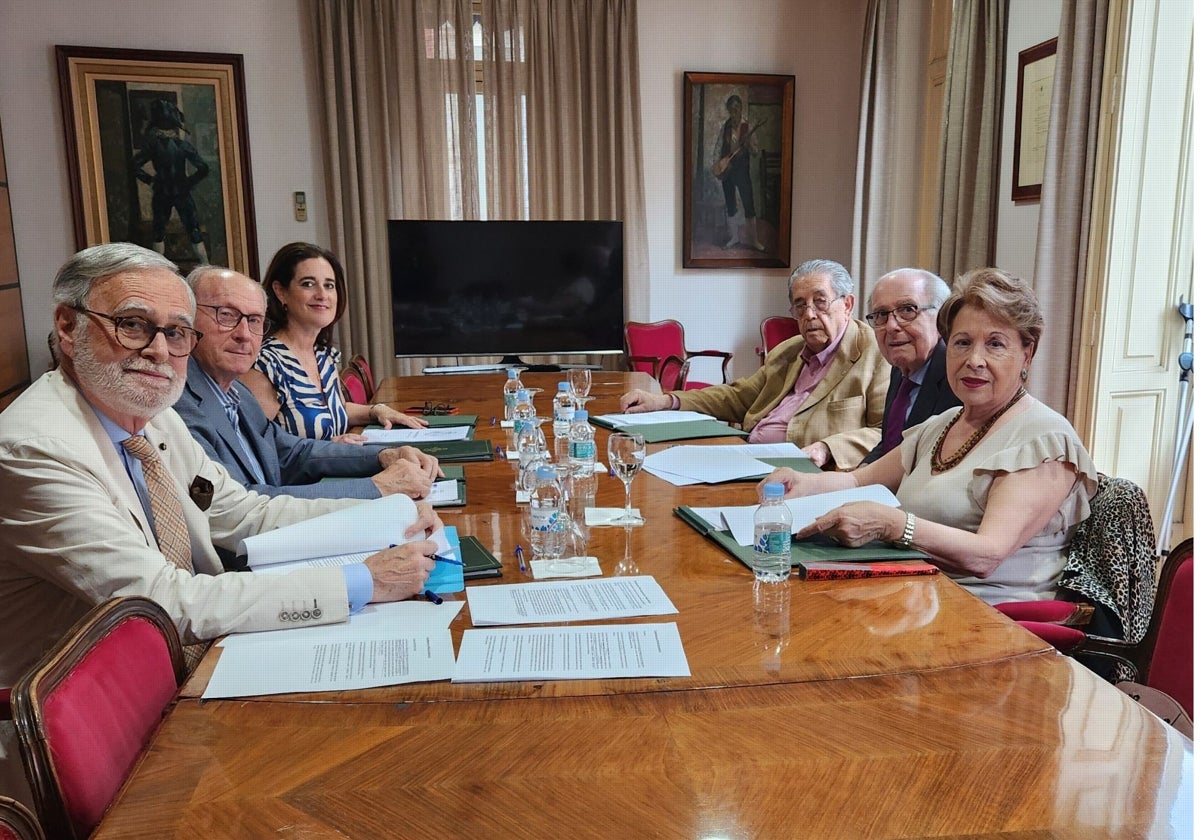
(430,595)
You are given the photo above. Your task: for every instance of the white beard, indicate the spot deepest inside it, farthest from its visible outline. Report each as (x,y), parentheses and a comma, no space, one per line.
(108,380)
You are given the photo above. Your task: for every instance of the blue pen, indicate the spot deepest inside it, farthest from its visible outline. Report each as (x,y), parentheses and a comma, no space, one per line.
(493,421)
(430,595)
(499,449)
(520,559)
(440,559)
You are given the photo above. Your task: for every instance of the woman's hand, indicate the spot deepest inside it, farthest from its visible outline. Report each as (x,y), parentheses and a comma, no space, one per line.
(858,523)
(388,417)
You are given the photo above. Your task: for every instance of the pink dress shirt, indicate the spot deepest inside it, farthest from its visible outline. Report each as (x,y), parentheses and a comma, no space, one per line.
(773,428)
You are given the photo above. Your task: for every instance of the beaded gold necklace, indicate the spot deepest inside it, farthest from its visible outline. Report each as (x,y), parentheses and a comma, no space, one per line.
(936,465)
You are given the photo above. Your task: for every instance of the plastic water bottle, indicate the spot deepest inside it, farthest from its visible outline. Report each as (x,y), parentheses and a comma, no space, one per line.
(772,561)
(523,411)
(511,386)
(547,516)
(564,410)
(530,446)
(581,451)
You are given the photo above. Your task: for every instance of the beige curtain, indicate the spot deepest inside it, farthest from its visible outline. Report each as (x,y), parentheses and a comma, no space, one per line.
(966,229)
(1065,219)
(562,130)
(888,184)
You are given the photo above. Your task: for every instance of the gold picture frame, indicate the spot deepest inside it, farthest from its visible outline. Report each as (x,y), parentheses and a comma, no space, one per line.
(1035,85)
(737,179)
(157,153)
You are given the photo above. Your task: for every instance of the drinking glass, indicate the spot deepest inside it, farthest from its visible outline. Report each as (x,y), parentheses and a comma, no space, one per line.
(581,384)
(626,452)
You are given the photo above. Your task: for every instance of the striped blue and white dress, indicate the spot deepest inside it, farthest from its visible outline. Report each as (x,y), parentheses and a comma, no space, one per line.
(305,409)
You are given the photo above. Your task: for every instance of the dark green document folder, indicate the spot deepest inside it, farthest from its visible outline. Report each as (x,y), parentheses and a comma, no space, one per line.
(802,550)
(460,483)
(457,451)
(478,562)
(683,430)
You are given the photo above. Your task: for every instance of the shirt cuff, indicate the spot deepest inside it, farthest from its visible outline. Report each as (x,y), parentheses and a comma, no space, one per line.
(360,587)
(674,402)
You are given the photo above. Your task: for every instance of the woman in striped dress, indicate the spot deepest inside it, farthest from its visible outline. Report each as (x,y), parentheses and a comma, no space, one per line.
(296,376)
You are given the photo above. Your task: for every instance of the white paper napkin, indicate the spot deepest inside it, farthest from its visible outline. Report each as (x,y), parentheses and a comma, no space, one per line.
(567,567)
(599,517)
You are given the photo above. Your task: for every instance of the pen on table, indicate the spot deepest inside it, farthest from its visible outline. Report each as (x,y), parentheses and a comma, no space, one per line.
(432,596)
(520,552)
(493,421)
(499,449)
(440,559)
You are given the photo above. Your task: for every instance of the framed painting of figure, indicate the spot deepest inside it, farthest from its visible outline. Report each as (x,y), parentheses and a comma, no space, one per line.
(157,153)
(737,172)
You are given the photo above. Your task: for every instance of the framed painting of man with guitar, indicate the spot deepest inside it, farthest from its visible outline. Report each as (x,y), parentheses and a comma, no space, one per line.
(737,180)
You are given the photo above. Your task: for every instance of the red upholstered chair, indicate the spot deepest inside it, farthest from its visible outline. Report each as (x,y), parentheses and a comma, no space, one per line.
(775,330)
(359,363)
(90,706)
(1163,659)
(658,349)
(16,821)
(354,389)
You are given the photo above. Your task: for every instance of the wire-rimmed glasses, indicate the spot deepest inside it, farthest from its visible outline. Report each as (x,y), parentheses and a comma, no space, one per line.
(821,305)
(134,332)
(626,452)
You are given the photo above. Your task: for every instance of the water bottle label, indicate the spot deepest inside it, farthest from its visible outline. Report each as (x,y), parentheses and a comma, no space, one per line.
(774,542)
(564,414)
(545,519)
(510,399)
(583,449)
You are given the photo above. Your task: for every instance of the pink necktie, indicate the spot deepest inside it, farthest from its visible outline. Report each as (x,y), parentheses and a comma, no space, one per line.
(893,429)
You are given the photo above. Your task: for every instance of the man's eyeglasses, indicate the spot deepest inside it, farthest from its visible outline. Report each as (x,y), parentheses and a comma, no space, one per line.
(904,314)
(799,307)
(136,333)
(431,409)
(228,318)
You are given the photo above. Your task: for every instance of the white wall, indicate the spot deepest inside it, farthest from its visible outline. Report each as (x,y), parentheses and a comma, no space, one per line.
(1029,22)
(285,148)
(818,41)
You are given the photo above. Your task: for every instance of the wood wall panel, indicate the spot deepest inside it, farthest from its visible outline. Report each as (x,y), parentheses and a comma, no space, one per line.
(8,245)
(14,354)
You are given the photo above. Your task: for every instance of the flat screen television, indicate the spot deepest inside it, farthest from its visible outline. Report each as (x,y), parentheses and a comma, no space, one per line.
(506,288)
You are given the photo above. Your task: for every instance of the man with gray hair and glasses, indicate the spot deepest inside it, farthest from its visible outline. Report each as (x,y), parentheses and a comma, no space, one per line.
(903,311)
(107,494)
(823,390)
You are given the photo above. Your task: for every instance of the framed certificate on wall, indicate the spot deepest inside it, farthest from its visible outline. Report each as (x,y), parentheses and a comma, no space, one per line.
(1035,85)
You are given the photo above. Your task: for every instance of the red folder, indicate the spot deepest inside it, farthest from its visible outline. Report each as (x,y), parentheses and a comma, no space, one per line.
(845,571)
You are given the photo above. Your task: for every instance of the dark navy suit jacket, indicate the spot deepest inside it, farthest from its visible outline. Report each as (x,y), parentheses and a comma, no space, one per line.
(933,397)
(292,465)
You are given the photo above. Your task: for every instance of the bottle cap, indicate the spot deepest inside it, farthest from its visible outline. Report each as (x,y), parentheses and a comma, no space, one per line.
(545,473)
(564,386)
(512,373)
(773,490)
(523,394)
(580,414)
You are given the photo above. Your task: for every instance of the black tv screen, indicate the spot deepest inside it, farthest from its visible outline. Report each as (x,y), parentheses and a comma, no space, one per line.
(506,288)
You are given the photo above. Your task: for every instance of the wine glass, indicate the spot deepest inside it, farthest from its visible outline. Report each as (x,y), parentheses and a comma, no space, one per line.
(581,384)
(626,452)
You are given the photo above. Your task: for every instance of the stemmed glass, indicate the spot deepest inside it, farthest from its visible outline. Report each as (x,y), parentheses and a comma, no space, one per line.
(581,383)
(626,452)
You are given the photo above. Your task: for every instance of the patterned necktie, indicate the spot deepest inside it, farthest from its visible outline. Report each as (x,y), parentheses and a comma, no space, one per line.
(169,524)
(893,429)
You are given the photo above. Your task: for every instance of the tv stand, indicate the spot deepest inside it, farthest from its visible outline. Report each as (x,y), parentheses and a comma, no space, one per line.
(505,364)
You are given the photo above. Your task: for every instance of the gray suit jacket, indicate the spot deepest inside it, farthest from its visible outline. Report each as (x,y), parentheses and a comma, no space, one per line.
(933,397)
(291,465)
(73,532)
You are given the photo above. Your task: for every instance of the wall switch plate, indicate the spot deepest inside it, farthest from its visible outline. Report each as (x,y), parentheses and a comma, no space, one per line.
(301,206)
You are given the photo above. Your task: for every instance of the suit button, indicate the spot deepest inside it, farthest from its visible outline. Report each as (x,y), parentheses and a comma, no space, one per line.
(306,615)
(316,613)
(283,616)
(295,616)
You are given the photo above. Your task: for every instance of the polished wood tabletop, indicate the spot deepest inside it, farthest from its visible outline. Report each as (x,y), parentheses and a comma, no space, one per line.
(864,708)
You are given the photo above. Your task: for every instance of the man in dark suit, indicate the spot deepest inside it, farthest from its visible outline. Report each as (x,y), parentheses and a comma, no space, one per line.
(228,423)
(903,310)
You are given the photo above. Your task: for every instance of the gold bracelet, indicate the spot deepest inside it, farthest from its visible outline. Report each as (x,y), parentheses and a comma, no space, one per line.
(910,529)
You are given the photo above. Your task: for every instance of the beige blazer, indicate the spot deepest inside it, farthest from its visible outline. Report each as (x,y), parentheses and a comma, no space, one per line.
(73,533)
(845,410)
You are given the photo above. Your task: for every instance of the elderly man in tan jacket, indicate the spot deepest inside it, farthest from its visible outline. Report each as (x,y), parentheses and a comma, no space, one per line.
(823,390)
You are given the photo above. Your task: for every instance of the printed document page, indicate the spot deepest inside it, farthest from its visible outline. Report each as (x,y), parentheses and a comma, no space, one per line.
(403,434)
(740,520)
(369,526)
(651,418)
(282,666)
(567,600)
(571,653)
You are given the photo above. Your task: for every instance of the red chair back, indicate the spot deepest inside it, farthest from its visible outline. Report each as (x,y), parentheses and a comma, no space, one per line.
(90,706)
(775,330)
(353,386)
(657,348)
(1171,663)
(360,364)
(16,821)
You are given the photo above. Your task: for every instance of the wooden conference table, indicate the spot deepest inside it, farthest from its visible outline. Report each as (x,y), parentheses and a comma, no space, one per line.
(840,709)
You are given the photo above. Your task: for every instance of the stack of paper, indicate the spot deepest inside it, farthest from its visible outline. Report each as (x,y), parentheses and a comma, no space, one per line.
(651,418)
(687,464)
(403,434)
(740,520)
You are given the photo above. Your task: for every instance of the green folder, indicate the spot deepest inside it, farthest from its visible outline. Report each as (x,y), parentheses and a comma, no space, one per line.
(460,482)
(803,465)
(802,550)
(478,562)
(683,430)
(457,451)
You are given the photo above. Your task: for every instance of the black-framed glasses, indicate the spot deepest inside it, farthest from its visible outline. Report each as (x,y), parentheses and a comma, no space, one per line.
(432,409)
(228,318)
(136,333)
(904,314)
(821,305)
